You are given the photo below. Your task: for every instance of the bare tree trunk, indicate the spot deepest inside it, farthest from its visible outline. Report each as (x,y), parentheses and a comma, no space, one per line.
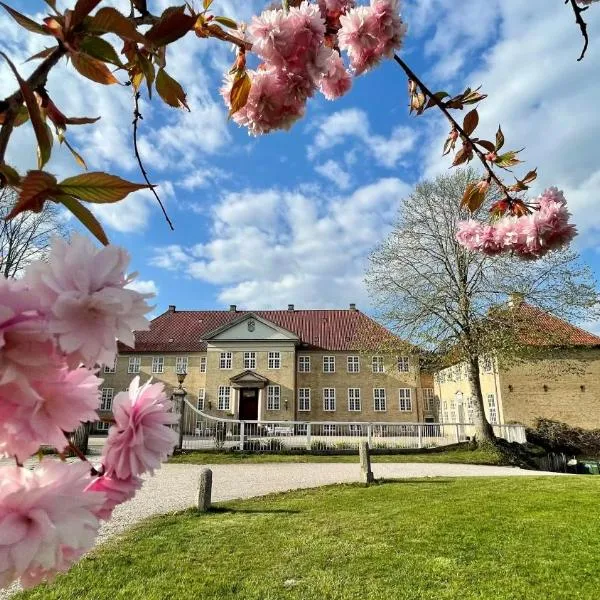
(484,432)
(80,437)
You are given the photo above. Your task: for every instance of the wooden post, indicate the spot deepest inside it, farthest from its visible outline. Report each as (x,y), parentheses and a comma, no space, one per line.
(365,463)
(308,437)
(242,436)
(205,490)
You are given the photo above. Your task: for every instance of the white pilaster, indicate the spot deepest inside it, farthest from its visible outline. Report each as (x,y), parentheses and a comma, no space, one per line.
(261,399)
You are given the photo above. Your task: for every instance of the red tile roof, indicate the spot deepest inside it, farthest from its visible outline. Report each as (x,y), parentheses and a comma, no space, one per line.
(335,330)
(540,328)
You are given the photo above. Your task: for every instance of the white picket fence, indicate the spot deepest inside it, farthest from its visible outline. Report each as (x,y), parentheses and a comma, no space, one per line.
(205,432)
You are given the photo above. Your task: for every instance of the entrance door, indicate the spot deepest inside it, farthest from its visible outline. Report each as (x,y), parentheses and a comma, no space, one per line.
(248,404)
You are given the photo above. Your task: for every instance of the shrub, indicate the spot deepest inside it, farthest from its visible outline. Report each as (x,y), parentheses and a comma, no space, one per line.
(555,436)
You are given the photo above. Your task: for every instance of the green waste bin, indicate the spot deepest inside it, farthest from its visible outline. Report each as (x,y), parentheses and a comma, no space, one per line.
(588,467)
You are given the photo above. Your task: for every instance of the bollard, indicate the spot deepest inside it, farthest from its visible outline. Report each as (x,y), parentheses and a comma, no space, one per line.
(365,463)
(204,490)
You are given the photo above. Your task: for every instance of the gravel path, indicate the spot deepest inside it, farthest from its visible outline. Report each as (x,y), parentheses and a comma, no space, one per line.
(174,487)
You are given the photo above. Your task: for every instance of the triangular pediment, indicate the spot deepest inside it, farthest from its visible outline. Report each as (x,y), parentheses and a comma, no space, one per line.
(249,379)
(251,327)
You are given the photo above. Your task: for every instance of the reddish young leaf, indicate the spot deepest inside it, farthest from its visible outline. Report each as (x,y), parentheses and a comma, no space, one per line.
(172,25)
(8,175)
(170,91)
(82,9)
(207,4)
(84,216)
(239,92)
(78,158)
(45,53)
(98,187)
(110,20)
(92,69)
(22,116)
(24,21)
(36,188)
(462,156)
(489,146)
(470,122)
(531,176)
(474,196)
(81,120)
(39,126)
(148,71)
(499,139)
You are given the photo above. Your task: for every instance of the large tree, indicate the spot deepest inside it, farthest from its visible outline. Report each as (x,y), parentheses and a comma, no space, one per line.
(26,237)
(437,294)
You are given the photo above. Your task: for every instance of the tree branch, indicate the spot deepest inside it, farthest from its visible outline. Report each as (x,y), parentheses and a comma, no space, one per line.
(136,117)
(578,10)
(411,74)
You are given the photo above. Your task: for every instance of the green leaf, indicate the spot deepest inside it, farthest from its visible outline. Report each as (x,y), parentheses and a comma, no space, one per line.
(99,187)
(499,139)
(100,49)
(9,175)
(25,22)
(226,21)
(170,90)
(148,70)
(509,159)
(78,158)
(39,126)
(85,216)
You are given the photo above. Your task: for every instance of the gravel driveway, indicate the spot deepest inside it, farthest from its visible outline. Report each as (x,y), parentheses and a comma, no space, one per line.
(174,487)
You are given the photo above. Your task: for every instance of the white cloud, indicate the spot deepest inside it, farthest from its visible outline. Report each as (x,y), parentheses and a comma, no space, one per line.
(272,247)
(144,286)
(544,100)
(353,123)
(333,171)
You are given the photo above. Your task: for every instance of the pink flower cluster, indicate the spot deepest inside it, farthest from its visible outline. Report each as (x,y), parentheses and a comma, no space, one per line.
(297,50)
(56,325)
(531,236)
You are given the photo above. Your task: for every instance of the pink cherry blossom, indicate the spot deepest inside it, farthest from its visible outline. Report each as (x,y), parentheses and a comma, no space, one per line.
(47,520)
(332,10)
(52,404)
(141,437)
(82,291)
(273,103)
(370,33)
(116,492)
(25,344)
(288,40)
(334,80)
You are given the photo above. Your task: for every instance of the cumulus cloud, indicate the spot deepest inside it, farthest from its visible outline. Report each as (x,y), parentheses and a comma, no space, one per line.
(144,286)
(272,247)
(350,124)
(333,171)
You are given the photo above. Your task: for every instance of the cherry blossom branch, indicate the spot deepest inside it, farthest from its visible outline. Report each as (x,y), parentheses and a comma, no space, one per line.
(435,100)
(578,10)
(136,117)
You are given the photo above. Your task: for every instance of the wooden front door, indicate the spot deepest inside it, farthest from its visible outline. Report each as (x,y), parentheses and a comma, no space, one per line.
(248,404)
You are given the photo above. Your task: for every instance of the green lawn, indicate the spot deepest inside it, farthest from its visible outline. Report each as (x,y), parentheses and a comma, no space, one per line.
(476,457)
(486,538)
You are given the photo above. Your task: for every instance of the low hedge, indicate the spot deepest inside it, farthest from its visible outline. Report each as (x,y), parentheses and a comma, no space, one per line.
(555,436)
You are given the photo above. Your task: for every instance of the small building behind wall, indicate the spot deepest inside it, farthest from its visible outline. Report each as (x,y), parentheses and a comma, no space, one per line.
(558,377)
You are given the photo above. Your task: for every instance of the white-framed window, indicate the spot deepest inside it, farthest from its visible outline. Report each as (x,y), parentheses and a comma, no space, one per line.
(274,361)
(249,360)
(158,364)
(452,416)
(304,364)
(225,360)
(405,399)
(224,397)
(354,399)
(428,399)
(111,368)
(200,401)
(353,364)
(329,399)
(107,398)
(304,399)
(135,362)
(403,364)
(377,364)
(101,426)
(273,397)
(203,364)
(329,364)
(379,401)
(181,364)
(487,363)
(492,410)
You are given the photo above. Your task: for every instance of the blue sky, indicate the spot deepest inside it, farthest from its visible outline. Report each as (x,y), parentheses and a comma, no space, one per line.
(290,217)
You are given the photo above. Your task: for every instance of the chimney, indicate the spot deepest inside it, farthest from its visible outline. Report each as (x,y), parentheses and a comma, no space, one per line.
(291,307)
(171,308)
(516,299)
(352,306)
(232,308)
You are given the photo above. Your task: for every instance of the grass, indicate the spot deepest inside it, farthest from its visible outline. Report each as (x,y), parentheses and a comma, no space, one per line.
(474,457)
(503,538)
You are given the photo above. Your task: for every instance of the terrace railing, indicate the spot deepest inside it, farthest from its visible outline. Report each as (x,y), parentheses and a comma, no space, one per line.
(205,432)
